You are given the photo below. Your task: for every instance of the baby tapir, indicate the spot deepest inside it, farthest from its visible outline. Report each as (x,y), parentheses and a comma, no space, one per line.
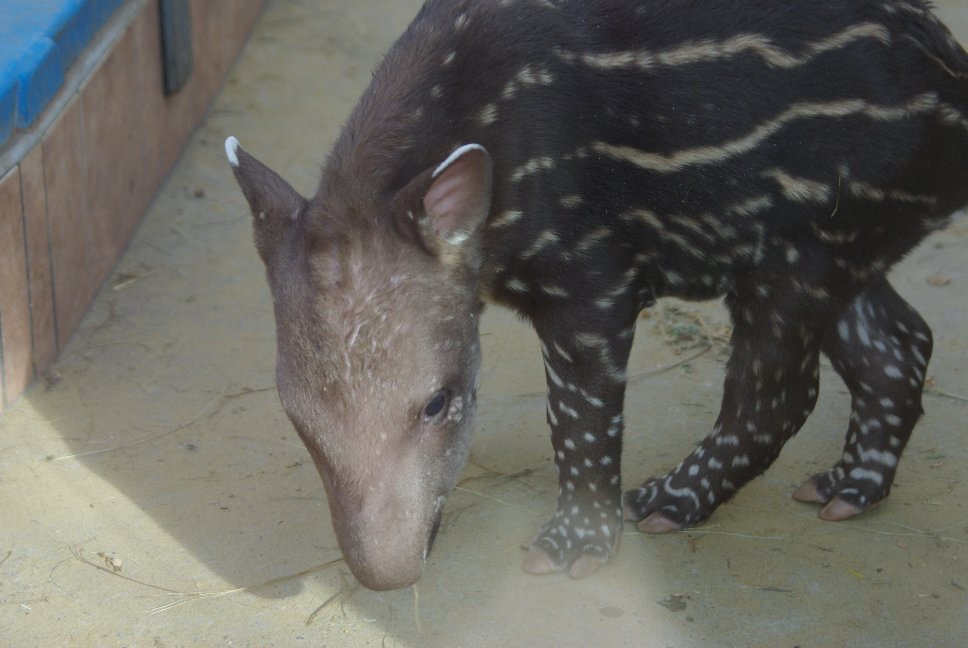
(575,160)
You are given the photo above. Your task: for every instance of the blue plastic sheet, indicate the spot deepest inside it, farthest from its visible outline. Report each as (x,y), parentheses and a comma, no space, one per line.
(39,39)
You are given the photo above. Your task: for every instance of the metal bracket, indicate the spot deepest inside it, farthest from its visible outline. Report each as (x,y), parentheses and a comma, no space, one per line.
(176,43)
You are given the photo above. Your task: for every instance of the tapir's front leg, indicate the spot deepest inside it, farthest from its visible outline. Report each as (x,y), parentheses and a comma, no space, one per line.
(585,360)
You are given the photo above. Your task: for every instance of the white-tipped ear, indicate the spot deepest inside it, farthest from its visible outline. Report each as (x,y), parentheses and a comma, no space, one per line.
(459,198)
(456,155)
(274,203)
(232,150)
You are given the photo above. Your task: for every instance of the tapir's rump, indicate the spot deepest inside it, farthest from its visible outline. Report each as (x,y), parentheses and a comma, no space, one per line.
(575,160)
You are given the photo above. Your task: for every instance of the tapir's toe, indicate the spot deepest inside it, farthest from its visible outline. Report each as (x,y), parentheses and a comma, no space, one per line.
(586,566)
(835,509)
(629,514)
(658,523)
(808,493)
(538,562)
(838,509)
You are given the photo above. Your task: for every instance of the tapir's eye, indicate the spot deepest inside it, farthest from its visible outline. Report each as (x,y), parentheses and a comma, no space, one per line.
(436,405)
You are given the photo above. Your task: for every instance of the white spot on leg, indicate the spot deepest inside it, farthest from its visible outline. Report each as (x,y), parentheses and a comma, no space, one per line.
(553,377)
(594,401)
(844,331)
(561,352)
(680,492)
(870,475)
(552,419)
(564,409)
(883,457)
(893,372)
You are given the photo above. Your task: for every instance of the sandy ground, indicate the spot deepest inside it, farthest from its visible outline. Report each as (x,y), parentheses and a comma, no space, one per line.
(152,492)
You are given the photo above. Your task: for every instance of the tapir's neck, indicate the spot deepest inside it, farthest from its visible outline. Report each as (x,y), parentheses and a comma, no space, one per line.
(439,87)
(386,141)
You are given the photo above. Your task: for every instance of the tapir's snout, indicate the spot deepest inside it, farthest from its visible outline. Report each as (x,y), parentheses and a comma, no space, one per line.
(386,552)
(382,566)
(385,529)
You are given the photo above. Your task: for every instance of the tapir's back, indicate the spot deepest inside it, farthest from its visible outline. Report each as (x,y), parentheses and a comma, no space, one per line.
(687,133)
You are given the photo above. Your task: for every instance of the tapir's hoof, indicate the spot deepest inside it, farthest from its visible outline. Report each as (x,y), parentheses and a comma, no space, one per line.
(837,510)
(834,510)
(586,566)
(628,514)
(538,563)
(658,523)
(809,493)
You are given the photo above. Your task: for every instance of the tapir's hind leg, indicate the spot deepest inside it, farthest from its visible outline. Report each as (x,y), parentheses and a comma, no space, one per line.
(770,389)
(880,346)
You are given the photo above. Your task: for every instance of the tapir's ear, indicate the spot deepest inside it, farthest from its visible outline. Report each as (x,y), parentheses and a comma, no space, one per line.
(275,204)
(448,205)
(459,198)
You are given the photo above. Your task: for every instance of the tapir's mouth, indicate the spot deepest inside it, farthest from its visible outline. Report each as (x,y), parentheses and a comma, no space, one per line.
(435,527)
(433,533)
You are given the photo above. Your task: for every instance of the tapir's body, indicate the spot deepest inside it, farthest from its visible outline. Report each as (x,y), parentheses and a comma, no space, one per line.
(576,160)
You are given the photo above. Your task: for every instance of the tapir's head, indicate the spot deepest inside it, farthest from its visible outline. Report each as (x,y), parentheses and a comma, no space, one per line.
(376,307)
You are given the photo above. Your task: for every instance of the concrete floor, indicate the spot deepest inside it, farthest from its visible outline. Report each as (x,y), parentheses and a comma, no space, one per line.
(153,493)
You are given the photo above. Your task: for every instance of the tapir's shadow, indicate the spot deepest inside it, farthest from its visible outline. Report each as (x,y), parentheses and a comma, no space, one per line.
(166,391)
